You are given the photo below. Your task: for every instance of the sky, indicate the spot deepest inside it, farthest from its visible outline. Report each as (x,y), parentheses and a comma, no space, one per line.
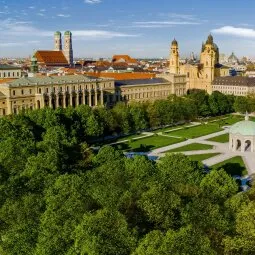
(140,28)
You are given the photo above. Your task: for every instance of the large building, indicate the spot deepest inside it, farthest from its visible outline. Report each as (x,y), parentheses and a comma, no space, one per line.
(58,57)
(234,85)
(72,90)
(201,74)
(9,72)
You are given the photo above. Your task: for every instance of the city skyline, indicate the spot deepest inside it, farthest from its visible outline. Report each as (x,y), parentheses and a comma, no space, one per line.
(102,28)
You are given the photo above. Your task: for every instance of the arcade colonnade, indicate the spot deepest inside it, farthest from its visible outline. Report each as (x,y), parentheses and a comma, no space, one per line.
(241,143)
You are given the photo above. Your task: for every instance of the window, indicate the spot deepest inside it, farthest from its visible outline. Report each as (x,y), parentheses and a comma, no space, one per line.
(9,74)
(3,111)
(22,92)
(40,90)
(13,92)
(30,91)
(17,73)
(47,90)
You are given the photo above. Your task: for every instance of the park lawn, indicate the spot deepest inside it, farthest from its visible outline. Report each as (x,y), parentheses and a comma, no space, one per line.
(220,139)
(201,157)
(148,144)
(233,166)
(129,137)
(192,147)
(194,132)
(167,129)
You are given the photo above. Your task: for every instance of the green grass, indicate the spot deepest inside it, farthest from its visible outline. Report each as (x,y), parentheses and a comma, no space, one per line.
(197,131)
(233,166)
(148,144)
(202,157)
(167,129)
(192,147)
(130,137)
(220,139)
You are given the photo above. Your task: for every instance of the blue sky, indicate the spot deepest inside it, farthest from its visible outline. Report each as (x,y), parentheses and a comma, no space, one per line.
(140,28)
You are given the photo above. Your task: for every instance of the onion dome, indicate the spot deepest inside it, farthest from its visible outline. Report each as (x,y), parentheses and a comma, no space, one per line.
(57,33)
(174,43)
(68,33)
(209,39)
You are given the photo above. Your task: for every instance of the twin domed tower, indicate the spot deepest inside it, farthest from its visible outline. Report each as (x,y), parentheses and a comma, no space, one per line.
(199,74)
(68,48)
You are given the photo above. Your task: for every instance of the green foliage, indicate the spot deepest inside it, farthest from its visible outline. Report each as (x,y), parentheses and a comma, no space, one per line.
(104,232)
(59,197)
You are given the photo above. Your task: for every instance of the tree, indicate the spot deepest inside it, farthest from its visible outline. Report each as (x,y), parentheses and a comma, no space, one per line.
(242,104)
(104,232)
(66,202)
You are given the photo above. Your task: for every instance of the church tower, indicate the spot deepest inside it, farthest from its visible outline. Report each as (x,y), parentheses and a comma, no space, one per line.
(58,41)
(174,65)
(68,50)
(209,59)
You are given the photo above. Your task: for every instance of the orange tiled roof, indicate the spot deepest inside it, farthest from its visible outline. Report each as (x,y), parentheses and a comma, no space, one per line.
(51,58)
(126,58)
(6,80)
(124,76)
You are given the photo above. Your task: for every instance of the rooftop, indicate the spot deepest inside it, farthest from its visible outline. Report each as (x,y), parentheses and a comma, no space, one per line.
(51,57)
(141,82)
(9,67)
(31,81)
(235,81)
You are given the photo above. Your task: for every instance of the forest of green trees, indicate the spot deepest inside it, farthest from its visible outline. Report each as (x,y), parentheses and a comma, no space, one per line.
(58,197)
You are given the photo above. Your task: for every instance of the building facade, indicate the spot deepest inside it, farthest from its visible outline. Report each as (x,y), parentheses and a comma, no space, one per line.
(234,85)
(199,74)
(73,90)
(143,90)
(9,72)
(59,91)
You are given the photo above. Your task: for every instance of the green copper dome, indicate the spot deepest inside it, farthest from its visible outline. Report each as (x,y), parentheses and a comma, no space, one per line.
(245,127)
(68,33)
(57,33)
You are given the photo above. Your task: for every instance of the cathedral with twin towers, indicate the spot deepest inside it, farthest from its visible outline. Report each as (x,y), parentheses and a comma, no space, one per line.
(60,56)
(200,74)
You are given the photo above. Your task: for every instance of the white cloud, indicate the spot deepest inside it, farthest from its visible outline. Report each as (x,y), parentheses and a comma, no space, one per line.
(63,15)
(92,1)
(15,44)
(158,24)
(93,34)
(40,14)
(11,27)
(235,31)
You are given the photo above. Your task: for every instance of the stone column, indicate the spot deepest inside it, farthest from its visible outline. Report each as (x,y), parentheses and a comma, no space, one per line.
(57,101)
(64,100)
(71,99)
(43,102)
(95,97)
(83,97)
(50,101)
(77,99)
(90,103)
(242,146)
(102,97)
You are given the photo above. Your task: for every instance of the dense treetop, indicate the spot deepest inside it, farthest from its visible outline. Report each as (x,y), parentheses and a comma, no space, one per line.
(59,197)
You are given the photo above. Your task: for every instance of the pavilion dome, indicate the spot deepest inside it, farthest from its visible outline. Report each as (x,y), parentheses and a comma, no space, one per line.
(245,127)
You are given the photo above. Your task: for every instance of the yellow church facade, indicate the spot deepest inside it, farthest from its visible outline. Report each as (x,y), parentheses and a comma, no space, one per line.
(200,75)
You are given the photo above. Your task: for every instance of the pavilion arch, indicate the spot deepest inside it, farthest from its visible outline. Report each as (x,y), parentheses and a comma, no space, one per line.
(238,144)
(247,146)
